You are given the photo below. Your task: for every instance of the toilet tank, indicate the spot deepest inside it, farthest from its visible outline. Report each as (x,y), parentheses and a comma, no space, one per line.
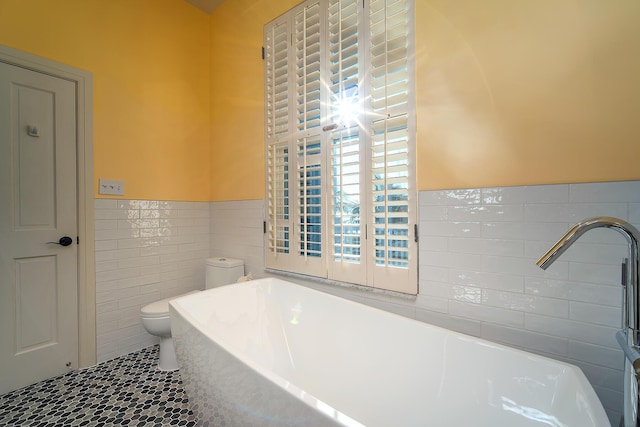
(223,271)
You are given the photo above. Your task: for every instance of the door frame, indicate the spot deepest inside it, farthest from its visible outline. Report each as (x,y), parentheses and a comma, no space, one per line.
(86,217)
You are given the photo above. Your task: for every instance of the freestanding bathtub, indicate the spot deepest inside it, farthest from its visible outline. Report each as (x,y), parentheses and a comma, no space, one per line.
(272,353)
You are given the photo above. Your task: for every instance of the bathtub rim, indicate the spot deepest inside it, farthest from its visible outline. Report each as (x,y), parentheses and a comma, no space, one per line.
(597,411)
(308,398)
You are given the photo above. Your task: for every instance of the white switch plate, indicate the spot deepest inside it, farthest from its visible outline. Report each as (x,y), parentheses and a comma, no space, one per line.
(109,186)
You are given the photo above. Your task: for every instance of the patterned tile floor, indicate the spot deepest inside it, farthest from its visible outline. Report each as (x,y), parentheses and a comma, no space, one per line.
(128,390)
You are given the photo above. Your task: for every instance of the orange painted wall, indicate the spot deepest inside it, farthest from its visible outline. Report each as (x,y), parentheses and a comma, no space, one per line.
(508,93)
(150,65)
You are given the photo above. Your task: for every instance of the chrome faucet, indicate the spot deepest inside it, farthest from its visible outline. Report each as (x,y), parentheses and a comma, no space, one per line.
(628,336)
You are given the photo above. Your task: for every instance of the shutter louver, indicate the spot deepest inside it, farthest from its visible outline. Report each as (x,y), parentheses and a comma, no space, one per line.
(388,53)
(344,97)
(278,233)
(307,60)
(345,167)
(277,81)
(310,197)
(390,192)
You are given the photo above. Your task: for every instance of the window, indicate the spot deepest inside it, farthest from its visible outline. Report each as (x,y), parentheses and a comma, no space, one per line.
(340,142)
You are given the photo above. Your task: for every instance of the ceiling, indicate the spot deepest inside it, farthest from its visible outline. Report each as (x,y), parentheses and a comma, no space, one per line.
(206,5)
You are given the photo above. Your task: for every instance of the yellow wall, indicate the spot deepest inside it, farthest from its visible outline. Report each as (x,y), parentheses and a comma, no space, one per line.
(527,92)
(237,97)
(508,93)
(150,65)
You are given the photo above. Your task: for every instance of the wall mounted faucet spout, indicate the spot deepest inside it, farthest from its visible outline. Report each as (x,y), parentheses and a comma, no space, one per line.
(627,230)
(630,299)
(629,336)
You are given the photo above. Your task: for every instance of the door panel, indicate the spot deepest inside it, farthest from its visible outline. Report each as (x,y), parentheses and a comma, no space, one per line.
(38,279)
(33,157)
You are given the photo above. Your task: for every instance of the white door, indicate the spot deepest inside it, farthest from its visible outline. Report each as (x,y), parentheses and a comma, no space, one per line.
(38,280)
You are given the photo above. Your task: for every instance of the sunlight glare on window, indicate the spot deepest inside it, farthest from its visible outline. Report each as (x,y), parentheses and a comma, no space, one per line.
(346,109)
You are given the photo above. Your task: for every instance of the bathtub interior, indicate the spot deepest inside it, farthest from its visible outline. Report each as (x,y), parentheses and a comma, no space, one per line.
(384,369)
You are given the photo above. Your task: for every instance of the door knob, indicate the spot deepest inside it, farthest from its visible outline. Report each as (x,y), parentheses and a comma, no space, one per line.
(64,241)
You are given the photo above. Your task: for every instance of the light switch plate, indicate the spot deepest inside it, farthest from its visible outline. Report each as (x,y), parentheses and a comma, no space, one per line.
(109,186)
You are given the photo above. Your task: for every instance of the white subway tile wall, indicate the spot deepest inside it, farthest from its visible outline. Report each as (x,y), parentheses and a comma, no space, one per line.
(487,283)
(237,232)
(146,250)
(478,276)
(477,256)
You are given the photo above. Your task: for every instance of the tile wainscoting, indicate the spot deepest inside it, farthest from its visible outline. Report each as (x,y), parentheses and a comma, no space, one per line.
(236,232)
(477,256)
(146,250)
(478,249)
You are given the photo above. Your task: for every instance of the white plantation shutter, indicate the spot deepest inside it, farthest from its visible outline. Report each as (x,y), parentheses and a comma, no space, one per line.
(340,152)
(348,262)
(307,67)
(278,201)
(295,166)
(309,165)
(393,206)
(310,221)
(276,80)
(277,123)
(346,142)
(344,67)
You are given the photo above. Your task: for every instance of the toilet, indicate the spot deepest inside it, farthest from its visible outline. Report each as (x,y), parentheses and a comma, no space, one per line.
(155,316)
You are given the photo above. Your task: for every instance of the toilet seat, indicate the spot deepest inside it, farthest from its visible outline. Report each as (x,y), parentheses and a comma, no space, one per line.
(160,308)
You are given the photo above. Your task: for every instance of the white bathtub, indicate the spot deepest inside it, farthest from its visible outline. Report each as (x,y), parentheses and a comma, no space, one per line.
(272,353)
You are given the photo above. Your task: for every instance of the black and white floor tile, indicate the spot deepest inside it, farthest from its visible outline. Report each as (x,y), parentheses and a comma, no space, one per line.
(128,391)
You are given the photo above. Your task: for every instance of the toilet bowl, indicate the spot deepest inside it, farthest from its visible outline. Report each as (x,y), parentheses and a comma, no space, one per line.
(155,319)
(155,316)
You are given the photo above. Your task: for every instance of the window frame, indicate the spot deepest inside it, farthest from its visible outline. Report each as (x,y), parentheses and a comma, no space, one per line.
(306,262)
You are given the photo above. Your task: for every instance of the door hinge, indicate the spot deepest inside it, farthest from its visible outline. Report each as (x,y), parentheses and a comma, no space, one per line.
(262,52)
(264,227)
(415,233)
(77,240)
